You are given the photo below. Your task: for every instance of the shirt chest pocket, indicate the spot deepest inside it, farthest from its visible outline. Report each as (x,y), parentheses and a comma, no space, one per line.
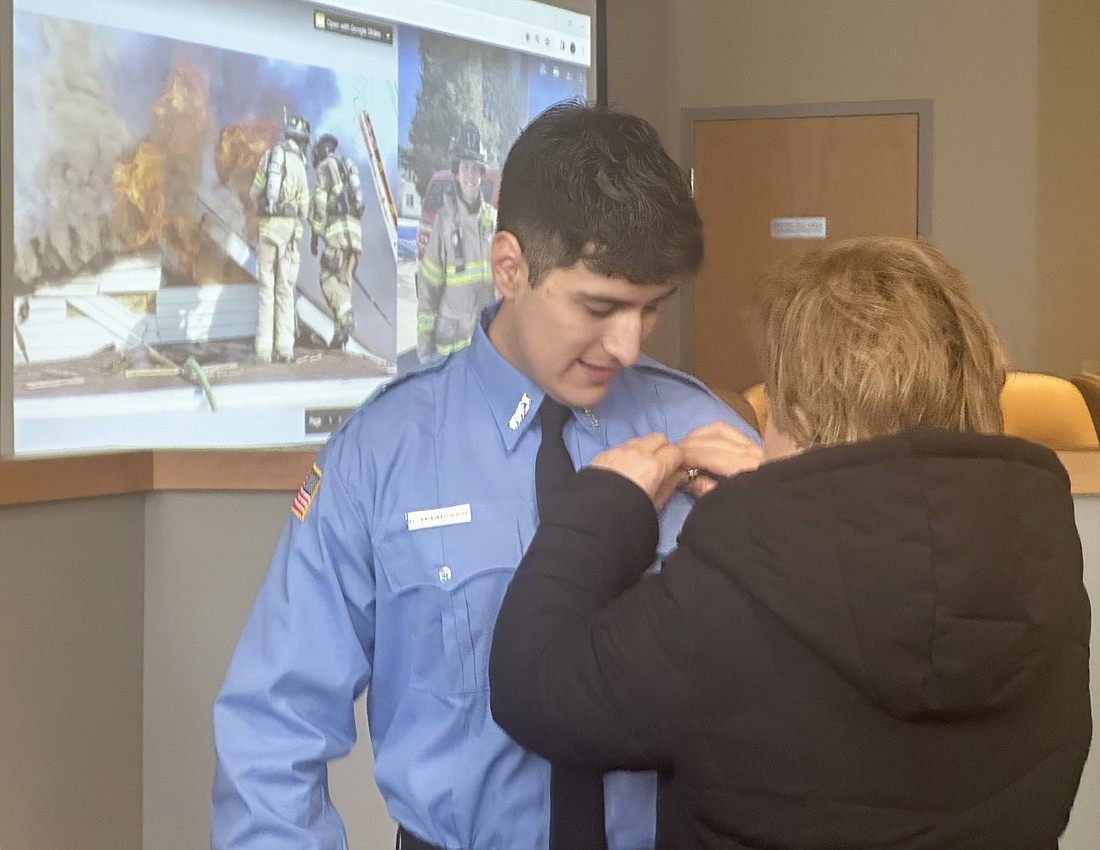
(446,586)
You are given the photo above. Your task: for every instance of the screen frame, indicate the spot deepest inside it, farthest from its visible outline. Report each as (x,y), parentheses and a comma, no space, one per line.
(43,479)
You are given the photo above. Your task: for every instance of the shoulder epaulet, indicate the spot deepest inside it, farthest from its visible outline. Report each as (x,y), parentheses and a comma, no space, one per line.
(648,364)
(425,368)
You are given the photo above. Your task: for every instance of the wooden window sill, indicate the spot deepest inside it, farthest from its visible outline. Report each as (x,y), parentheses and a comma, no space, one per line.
(53,479)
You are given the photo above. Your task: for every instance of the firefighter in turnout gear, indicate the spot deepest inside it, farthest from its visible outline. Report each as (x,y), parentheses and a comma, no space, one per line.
(280,191)
(454,280)
(334,217)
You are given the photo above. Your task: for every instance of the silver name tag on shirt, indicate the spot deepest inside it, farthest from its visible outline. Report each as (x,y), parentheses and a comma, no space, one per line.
(437,516)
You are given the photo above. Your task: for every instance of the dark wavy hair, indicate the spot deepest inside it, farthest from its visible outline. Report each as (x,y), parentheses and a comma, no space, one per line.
(589,183)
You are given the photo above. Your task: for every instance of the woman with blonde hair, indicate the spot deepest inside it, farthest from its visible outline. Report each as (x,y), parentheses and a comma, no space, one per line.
(876,639)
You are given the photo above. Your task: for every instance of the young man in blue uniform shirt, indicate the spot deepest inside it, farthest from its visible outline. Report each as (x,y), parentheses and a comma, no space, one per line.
(393,564)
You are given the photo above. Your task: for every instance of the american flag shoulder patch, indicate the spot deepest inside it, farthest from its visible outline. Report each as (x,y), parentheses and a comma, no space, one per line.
(304,497)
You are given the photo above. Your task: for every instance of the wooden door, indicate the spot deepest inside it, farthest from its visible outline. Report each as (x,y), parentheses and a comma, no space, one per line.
(766,189)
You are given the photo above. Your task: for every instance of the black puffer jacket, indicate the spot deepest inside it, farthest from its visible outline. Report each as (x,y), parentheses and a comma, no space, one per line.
(879,645)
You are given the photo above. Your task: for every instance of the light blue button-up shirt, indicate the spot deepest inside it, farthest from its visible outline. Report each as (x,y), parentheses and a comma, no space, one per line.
(391,583)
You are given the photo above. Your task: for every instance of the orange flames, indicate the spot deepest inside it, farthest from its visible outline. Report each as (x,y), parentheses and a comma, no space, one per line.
(239,150)
(156,189)
(140,183)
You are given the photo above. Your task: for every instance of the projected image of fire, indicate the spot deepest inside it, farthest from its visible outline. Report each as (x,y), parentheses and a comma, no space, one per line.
(155,190)
(172,192)
(89,192)
(240,147)
(63,158)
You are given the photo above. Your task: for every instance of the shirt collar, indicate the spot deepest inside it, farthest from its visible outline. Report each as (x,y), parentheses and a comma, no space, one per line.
(513,398)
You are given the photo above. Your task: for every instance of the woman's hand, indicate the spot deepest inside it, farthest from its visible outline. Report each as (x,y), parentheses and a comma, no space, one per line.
(651,462)
(716,451)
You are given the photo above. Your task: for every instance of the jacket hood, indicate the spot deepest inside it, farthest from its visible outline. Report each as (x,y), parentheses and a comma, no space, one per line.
(938,572)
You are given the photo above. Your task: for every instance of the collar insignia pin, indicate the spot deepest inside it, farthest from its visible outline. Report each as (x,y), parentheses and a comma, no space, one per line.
(520,411)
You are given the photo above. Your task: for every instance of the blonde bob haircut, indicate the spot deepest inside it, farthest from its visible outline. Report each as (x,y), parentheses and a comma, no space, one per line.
(873,336)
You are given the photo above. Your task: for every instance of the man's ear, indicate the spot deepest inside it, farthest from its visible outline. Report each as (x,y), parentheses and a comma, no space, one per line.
(509,265)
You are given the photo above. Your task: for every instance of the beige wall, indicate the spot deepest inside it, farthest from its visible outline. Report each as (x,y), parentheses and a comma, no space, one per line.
(977,60)
(1084,822)
(70,674)
(1069,186)
(205,556)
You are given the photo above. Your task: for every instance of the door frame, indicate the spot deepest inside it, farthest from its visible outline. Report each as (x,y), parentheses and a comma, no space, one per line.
(922,107)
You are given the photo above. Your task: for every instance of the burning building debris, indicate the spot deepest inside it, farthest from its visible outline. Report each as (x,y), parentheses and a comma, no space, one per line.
(89,192)
(172,186)
(240,147)
(65,157)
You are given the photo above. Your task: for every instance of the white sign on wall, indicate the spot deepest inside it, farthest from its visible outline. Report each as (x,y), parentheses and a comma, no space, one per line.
(799,227)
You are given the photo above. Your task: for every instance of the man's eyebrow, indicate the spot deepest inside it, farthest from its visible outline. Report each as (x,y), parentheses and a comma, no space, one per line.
(611,301)
(660,299)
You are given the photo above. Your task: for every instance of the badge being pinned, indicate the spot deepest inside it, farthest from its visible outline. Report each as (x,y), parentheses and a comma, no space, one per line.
(306,492)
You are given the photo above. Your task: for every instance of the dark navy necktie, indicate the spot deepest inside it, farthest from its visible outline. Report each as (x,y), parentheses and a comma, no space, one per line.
(576,794)
(553,466)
